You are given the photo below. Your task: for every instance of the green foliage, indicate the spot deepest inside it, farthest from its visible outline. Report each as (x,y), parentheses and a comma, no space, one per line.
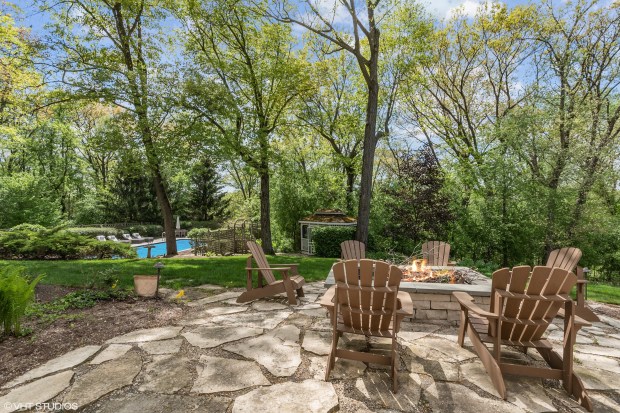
(57,243)
(417,207)
(146,230)
(199,232)
(26,198)
(206,200)
(16,292)
(189,224)
(94,231)
(48,312)
(327,240)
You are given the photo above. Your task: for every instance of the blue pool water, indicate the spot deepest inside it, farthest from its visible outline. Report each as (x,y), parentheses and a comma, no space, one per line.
(160,248)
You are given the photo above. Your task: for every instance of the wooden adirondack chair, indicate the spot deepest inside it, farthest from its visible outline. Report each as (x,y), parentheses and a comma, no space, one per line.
(352,250)
(519,315)
(366,301)
(436,253)
(567,259)
(291,281)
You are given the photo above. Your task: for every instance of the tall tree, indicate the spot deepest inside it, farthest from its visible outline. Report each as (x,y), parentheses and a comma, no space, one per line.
(355,28)
(246,77)
(206,201)
(114,51)
(334,110)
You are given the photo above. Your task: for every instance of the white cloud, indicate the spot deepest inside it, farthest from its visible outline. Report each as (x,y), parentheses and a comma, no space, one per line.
(446,9)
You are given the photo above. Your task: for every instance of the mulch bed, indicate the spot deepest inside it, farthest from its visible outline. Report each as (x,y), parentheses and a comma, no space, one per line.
(79,327)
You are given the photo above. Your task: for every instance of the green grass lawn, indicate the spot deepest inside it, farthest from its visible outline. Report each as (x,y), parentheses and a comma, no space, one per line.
(179,272)
(604,293)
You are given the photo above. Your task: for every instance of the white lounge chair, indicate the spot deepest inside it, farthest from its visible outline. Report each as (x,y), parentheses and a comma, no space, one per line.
(100,237)
(137,236)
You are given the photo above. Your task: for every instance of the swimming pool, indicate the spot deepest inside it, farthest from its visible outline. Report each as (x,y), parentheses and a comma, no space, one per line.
(159,248)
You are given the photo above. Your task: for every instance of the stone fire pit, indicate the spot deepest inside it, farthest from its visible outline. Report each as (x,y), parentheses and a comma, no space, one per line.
(434,300)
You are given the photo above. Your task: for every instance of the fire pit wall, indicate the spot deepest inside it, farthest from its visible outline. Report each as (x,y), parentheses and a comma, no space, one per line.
(434,301)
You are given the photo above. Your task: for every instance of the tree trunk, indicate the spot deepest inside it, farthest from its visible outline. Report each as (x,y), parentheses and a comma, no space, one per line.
(368,157)
(265,220)
(160,190)
(350,182)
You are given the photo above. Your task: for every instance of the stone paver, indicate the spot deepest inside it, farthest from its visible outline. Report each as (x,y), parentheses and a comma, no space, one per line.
(222,311)
(452,397)
(257,320)
(280,357)
(477,375)
(38,391)
(104,379)
(287,333)
(436,375)
(162,347)
(598,362)
(343,369)
(167,374)
(111,352)
(309,396)
(214,299)
(377,386)
(317,342)
(594,379)
(150,334)
(68,360)
(438,369)
(218,374)
(268,306)
(161,403)
(209,337)
(528,394)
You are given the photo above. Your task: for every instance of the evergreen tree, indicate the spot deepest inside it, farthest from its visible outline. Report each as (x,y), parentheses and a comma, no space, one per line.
(207,199)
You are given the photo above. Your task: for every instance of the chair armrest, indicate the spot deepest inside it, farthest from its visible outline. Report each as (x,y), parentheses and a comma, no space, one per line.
(405,303)
(466,300)
(268,268)
(580,322)
(328,298)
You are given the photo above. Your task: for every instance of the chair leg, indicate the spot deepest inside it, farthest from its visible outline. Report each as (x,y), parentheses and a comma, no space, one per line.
(292,300)
(300,292)
(462,327)
(331,358)
(395,360)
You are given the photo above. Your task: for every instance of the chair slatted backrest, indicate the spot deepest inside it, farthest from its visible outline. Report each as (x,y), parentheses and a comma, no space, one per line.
(352,250)
(260,259)
(366,293)
(565,258)
(544,282)
(436,253)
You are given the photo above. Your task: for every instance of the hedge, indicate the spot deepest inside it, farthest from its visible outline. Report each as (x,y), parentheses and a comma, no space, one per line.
(57,243)
(327,240)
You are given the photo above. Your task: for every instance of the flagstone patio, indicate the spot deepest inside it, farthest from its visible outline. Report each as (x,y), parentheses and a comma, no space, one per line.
(267,356)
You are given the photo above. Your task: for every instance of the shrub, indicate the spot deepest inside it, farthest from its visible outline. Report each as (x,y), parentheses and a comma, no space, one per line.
(190,225)
(94,231)
(16,292)
(146,230)
(199,233)
(327,240)
(57,243)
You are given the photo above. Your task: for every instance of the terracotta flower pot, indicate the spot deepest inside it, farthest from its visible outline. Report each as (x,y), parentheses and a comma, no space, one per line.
(146,285)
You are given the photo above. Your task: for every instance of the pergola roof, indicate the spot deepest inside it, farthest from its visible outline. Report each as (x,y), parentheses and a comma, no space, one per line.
(329,216)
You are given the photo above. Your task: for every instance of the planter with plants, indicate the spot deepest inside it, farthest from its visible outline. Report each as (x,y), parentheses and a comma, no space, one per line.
(148,285)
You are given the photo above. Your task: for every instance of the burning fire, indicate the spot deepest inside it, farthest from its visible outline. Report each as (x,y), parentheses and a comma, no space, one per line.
(419,267)
(419,272)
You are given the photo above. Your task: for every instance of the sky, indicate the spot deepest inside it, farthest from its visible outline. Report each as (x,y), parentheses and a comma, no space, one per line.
(441,9)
